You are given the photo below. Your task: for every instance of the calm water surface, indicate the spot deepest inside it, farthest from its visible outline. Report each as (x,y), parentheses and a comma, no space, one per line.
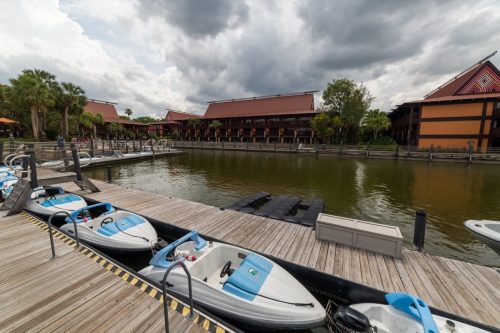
(383,191)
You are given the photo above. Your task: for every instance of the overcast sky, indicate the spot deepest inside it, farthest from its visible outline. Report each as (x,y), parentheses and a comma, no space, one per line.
(179,54)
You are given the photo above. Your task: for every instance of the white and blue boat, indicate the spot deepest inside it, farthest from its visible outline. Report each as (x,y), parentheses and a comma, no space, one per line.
(237,284)
(115,231)
(48,200)
(7,182)
(404,313)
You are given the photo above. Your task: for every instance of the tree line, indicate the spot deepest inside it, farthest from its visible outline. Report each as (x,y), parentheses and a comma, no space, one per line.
(345,115)
(38,101)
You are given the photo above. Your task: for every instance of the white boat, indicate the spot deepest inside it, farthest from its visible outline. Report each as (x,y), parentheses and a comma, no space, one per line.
(116,231)
(49,200)
(7,183)
(404,314)
(237,284)
(487,231)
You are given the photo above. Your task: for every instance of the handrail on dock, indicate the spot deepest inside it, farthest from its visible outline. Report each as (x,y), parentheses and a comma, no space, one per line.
(52,237)
(164,290)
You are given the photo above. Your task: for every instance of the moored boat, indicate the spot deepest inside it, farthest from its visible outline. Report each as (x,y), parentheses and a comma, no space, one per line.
(113,230)
(487,231)
(237,284)
(49,200)
(404,313)
(7,182)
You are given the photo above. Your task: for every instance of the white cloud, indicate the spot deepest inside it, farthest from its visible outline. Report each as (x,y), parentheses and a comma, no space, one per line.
(140,56)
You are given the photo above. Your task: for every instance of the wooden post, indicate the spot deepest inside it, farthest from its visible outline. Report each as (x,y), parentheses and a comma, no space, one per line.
(92,148)
(34,178)
(1,152)
(65,156)
(102,148)
(419,232)
(397,151)
(140,145)
(109,173)
(76,161)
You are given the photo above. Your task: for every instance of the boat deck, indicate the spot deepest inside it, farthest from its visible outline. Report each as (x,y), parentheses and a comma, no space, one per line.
(465,289)
(77,291)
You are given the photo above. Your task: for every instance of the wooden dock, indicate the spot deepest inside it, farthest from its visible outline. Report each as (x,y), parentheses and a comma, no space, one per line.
(461,288)
(78,291)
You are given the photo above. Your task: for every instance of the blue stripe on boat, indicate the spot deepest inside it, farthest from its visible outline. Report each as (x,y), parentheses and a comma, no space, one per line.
(60,201)
(128,222)
(249,278)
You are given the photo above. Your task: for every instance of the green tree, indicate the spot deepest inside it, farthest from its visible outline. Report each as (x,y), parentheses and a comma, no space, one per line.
(71,97)
(193,122)
(146,119)
(349,101)
(128,112)
(215,124)
(115,129)
(90,121)
(35,89)
(375,121)
(322,125)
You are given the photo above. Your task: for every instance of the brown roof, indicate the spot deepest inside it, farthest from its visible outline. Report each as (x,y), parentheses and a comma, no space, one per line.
(301,103)
(459,82)
(457,98)
(107,110)
(173,116)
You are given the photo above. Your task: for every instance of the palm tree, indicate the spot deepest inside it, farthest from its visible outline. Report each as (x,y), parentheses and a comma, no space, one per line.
(90,121)
(193,122)
(215,124)
(128,112)
(115,128)
(70,96)
(36,90)
(375,121)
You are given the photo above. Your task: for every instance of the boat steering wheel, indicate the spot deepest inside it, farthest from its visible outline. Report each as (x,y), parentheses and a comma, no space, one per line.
(106,220)
(226,269)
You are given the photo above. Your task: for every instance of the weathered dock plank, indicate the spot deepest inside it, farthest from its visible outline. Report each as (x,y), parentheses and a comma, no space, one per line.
(74,292)
(436,280)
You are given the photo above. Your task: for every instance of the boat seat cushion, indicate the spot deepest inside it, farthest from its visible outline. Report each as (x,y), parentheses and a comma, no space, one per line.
(113,228)
(60,201)
(247,280)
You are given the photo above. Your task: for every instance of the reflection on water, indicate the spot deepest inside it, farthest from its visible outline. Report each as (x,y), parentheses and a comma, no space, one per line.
(383,191)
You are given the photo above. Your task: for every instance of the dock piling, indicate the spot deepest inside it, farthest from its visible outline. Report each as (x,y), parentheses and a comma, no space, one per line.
(109,173)
(419,233)
(31,152)
(76,161)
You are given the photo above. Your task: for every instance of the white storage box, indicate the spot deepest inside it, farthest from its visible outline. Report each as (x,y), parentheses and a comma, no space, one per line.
(380,238)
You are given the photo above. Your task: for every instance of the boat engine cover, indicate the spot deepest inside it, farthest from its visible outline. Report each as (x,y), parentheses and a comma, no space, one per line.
(351,320)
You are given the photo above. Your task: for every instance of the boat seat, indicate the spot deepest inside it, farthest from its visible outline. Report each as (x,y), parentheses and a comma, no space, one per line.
(60,201)
(247,280)
(115,227)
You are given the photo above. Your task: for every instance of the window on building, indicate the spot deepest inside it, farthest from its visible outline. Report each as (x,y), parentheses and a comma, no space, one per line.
(289,119)
(248,120)
(260,120)
(305,118)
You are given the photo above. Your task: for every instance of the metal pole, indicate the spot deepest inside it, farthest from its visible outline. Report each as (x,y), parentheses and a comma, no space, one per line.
(34,178)
(25,166)
(1,151)
(165,296)
(52,247)
(76,161)
(92,148)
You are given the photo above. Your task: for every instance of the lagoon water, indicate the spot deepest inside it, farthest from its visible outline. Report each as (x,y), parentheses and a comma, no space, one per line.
(383,191)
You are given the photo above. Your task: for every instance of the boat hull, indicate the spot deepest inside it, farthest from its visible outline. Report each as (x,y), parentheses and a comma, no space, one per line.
(388,319)
(141,237)
(281,303)
(486,231)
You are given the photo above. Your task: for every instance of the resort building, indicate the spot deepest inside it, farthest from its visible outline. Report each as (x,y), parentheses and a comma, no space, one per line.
(463,111)
(110,115)
(169,126)
(277,118)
